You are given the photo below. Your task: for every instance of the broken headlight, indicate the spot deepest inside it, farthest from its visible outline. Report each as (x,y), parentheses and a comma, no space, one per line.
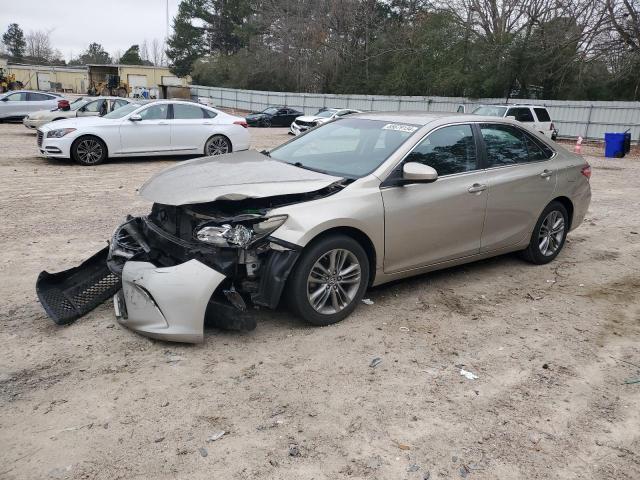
(60,132)
(239,235)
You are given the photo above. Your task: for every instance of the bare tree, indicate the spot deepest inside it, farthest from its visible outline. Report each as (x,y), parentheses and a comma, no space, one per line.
(144,50)
(624,16)
(39,45)
(157,53)
(116,56)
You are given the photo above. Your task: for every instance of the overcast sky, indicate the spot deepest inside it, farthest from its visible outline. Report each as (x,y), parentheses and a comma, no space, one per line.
(74,24)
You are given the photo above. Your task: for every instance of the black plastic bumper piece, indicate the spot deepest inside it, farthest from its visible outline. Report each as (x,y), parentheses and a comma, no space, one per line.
(70,294)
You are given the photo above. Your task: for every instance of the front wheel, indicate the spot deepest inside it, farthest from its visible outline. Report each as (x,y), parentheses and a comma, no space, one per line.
(89,151)
(549,234)
(266,122)
(217,145)
(329,280)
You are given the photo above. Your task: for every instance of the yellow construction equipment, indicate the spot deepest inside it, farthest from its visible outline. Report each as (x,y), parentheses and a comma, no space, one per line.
(8,82)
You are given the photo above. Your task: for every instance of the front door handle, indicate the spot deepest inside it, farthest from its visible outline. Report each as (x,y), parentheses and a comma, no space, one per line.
(163,123)
(546,173)
(477,188)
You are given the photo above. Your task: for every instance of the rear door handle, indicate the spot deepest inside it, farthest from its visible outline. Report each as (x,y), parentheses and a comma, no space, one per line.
(163,123)
(477,188)
(546,173)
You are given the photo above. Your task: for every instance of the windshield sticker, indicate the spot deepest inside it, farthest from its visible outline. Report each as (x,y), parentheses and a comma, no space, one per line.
(400,128)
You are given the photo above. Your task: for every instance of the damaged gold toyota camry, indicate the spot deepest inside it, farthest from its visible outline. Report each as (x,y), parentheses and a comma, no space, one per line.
(356,202)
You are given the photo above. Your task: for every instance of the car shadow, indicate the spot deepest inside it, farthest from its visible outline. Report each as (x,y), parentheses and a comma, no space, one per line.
(281,317)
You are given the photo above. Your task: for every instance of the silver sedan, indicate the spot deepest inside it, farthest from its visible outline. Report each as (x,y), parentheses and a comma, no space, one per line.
(359,201)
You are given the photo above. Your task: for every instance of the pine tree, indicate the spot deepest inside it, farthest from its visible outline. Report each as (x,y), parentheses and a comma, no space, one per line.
(14,41)
(131,56)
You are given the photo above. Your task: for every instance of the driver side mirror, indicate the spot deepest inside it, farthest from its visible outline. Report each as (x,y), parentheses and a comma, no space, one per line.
(5,99)
(135,118)
(414,172)
(511,117)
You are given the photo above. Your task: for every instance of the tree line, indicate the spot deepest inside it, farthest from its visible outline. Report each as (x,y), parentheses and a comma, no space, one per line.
(36,48)
(552,49)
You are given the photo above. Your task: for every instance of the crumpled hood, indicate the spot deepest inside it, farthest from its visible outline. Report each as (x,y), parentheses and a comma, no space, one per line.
(313,118)
(76,122)
(235,176)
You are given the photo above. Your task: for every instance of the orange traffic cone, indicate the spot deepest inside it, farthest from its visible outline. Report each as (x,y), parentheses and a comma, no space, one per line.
(578,148)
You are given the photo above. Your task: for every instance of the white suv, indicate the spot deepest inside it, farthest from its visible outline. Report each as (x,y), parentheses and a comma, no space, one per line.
(535,117)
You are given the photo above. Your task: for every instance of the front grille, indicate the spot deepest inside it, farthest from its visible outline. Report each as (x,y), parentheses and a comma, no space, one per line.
(306,124)
(40,137)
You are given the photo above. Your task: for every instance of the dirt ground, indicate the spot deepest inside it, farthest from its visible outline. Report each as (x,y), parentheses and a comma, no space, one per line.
(552,347)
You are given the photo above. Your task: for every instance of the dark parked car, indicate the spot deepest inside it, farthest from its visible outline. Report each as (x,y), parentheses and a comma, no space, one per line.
(273,117)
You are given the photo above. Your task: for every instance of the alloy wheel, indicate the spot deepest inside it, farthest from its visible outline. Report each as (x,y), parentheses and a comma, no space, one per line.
(217,146)
(89,151)
(333,281)
(551,233)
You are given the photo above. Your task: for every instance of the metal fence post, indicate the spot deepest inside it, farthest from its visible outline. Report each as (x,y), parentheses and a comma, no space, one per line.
(586,130)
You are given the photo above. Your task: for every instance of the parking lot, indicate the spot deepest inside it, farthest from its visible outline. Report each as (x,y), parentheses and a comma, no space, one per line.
(552,347)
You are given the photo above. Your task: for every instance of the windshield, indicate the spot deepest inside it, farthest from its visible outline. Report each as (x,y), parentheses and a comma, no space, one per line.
(348,147)
(122,111)
(270,110)
(490,111)
(326,113)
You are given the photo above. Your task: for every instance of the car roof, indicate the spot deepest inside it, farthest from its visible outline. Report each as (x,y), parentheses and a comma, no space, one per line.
(413,117)
(513,105)
(34,91)
(423,118)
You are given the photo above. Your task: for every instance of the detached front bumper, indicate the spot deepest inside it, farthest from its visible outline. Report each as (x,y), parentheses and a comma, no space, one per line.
(167,303)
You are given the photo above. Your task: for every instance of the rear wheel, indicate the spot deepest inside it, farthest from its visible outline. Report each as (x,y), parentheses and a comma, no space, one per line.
(89,150)
(217,145)
(329,280)
(549,234)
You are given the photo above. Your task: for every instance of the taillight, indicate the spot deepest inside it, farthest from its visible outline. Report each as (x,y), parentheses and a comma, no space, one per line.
(552,127)
(586,171)
(242,123)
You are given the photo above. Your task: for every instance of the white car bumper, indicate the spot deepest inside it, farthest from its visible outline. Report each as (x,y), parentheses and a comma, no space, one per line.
(297,129)
(31,123)
(167,303)
(54,147)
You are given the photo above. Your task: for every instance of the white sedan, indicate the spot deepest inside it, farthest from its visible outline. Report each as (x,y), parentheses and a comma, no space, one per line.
(84,107)
(304,123)
(163,127)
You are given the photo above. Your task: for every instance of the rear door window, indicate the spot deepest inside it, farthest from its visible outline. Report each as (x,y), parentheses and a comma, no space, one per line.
(186,112)
(448,150)
(505,145)
(208,113)
(537,150)
(542,114)
(522,114)
(37,97)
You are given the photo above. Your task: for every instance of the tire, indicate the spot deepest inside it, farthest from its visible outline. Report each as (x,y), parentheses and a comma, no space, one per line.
(540,251)
(331,305)
(89,150)
(217,145)
(266,122)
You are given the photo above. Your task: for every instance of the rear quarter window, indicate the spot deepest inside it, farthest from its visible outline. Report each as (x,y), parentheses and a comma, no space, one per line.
(542,114)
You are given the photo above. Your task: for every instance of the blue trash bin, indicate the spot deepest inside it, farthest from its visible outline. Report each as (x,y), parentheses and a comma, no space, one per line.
(614,145)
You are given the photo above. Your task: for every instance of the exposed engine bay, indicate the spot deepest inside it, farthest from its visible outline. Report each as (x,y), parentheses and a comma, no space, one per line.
(230,238)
